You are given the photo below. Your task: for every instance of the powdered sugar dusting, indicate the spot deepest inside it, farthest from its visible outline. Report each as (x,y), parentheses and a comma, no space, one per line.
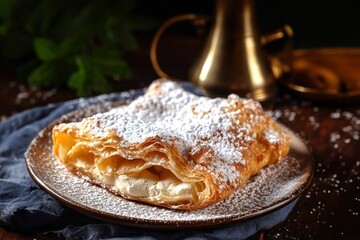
(189,123)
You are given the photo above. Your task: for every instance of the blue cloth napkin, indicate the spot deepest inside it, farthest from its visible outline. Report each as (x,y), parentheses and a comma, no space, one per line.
(25,207)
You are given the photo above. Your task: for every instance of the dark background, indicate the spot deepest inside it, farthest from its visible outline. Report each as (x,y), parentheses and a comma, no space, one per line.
(316,23)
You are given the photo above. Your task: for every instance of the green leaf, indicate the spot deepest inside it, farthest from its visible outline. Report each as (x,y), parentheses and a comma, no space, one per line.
(88,78)
(69,46)
(46,49)
(76,82)
(43,75)
(77,78)
(49,74)
(99,82)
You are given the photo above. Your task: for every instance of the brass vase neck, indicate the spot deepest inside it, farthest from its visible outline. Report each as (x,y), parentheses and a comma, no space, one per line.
(234,17)
(233,60)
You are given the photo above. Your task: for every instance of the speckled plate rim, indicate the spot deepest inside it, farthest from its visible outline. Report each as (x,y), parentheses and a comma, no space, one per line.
(31,162)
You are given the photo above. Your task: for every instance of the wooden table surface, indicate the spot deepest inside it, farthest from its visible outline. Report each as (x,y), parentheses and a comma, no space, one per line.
(329,208)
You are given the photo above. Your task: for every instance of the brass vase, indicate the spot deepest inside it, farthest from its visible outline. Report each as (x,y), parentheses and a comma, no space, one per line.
(233,59)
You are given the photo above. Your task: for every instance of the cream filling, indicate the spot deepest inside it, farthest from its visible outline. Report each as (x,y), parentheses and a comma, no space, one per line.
(166,190)
(154,184)
(144,184)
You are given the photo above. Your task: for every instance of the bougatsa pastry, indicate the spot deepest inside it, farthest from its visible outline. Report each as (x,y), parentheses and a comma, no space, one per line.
(172,148)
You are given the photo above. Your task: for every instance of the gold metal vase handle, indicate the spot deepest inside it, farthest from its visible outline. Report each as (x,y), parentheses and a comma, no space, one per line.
(280,61)
(199,20)
(284,32)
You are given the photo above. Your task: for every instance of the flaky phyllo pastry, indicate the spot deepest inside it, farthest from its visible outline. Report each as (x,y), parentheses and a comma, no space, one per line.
(172,148)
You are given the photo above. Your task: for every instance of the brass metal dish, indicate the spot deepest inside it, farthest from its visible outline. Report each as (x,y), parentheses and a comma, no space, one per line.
(325,74)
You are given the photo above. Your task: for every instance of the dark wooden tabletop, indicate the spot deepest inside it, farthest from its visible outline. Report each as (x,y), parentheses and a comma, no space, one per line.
(328,209)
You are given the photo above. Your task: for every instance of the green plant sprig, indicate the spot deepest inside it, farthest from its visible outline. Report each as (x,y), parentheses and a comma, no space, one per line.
(74,43)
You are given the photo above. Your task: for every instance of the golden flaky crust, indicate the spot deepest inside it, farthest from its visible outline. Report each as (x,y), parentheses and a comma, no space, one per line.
(172,148)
